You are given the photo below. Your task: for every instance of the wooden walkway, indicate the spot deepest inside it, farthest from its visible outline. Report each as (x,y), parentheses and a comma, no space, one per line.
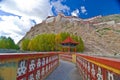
(65,71)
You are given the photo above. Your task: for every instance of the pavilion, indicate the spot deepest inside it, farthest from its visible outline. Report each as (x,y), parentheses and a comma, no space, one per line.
(69,43)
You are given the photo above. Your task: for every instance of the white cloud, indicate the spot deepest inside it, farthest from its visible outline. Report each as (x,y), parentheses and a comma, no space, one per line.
(33,9)
(59,6)
(36,10)
(83,9)
(15,26)
(75,13)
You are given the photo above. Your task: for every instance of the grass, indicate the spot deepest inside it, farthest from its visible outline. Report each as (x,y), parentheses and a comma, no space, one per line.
(103,30)
(117,31)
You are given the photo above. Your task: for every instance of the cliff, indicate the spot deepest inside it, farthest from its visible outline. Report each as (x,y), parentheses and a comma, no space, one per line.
(101,35)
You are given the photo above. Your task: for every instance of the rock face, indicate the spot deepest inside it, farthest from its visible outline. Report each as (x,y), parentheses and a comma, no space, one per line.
(101,35)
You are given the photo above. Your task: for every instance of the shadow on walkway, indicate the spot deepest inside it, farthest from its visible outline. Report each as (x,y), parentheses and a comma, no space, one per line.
(65,71)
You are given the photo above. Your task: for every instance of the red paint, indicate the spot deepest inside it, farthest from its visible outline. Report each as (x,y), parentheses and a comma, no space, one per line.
(28,57)
(69,40)
(115,63)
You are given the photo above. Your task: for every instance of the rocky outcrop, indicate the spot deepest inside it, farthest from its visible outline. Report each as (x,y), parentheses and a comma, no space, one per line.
(101,35)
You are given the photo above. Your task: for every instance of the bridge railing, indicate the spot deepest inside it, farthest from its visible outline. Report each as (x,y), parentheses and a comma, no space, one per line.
(68,56)
(31,66)
(98,68)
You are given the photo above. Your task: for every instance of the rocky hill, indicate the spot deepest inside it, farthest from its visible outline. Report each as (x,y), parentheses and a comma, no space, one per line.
(101,35)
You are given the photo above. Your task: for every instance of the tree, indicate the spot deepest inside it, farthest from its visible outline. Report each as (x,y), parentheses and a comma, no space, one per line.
(58,40)
(10,43)
(25,43)
(64,35)
(7,43)
(80,46)
(49,42)
(43,42)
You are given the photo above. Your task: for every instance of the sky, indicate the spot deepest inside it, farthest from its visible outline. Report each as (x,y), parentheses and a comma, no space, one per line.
(18,16)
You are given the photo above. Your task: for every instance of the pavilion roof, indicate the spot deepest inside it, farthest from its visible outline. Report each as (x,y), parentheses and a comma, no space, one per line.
(69,40)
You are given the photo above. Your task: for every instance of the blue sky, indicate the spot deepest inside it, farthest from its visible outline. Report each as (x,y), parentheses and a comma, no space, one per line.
(93,7)
(18,16)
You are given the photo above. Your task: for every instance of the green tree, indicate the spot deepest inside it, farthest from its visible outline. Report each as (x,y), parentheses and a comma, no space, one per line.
(32,46)
(64,35)
(58,40)
(25,43)
(50,42)
(2,42)
(80,46)
(10,43)
(7,43)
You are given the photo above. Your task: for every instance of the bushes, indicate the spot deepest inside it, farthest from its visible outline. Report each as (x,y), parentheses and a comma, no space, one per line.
(50,42)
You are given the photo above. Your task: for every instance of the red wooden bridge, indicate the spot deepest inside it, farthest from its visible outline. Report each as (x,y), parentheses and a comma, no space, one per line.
(57,66)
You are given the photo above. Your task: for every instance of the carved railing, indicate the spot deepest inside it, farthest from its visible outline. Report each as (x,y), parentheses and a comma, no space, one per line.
(98,68)
(35,66)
